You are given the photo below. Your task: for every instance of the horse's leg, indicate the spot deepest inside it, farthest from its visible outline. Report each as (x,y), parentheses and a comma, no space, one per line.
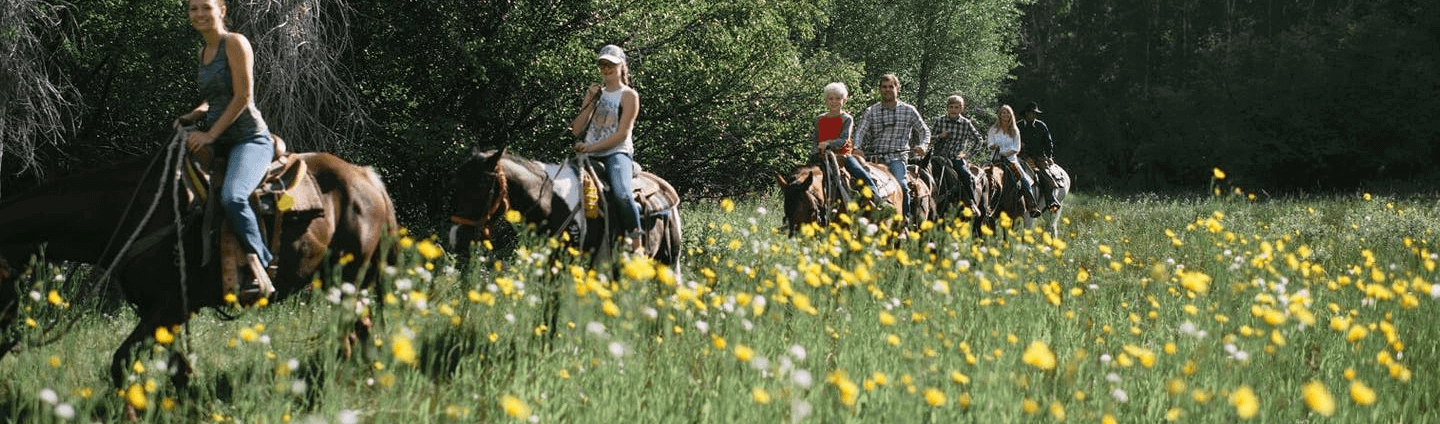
(122,357)
(1055,221)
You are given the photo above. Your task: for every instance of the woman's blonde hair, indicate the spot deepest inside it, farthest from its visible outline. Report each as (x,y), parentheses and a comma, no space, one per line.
(837,88)
(1009,128)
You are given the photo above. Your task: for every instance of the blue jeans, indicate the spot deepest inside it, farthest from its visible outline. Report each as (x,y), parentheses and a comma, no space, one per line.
(967,184)
(620,169)
(857,171)
(897,168)
(248,159)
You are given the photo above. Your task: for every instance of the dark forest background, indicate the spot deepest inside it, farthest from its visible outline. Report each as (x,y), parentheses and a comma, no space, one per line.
(1142,95)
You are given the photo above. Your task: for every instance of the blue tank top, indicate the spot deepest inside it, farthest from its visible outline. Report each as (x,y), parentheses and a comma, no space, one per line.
(216,89)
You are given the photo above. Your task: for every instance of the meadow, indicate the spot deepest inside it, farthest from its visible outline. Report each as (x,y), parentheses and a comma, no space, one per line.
(1215,307)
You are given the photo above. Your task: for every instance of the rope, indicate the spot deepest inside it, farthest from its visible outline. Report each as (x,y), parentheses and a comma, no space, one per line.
(177,142)
(176,171)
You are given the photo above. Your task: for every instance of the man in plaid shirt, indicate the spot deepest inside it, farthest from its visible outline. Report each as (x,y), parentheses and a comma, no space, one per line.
(953,133)
(890,130)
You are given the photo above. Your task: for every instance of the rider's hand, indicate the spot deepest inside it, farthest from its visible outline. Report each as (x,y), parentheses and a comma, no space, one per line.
(918,150)
(579,147)
(198,140)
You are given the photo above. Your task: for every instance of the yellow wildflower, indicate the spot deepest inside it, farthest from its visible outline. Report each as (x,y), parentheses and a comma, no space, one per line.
(935,397)
(886,319)
(429,250)
(744,353)
(1029,406)
(135,396)
(1039,355)
(1057,411)
(760,396)
(163,335)
(1362,394)
(403,350)
(514,407)
(1247,405)
(1318,398)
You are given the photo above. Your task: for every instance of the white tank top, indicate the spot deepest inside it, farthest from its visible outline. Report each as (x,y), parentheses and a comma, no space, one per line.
(605,122)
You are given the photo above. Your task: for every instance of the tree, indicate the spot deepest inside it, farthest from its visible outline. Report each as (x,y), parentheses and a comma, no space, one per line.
(36,102)
(936,47)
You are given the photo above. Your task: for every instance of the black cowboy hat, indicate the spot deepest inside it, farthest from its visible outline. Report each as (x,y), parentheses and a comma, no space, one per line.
(1031,107)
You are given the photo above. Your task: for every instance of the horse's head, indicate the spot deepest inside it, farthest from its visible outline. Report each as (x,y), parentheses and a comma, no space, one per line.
(803,198)
(480,194)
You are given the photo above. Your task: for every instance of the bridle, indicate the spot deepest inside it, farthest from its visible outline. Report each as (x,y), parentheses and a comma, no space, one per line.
(499,204)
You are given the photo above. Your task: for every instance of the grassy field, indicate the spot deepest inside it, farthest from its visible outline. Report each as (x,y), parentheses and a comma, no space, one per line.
(1203,309)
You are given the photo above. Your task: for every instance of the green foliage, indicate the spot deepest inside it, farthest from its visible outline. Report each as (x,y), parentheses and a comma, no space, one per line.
(937,48)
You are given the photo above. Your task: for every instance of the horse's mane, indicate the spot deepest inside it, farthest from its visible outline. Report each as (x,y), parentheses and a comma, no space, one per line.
(122,173)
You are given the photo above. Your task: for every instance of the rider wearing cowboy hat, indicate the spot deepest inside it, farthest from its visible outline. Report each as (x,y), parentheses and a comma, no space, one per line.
(1038,151)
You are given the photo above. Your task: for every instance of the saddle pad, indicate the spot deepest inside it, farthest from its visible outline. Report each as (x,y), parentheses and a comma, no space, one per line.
(884,187)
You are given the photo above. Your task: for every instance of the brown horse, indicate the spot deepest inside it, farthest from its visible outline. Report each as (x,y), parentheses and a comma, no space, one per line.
(806,199)
(136,220)
(1002,195)
(549,195)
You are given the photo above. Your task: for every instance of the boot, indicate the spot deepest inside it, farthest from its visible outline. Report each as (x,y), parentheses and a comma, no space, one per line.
(1025,190)
(1047,186)
(259,285)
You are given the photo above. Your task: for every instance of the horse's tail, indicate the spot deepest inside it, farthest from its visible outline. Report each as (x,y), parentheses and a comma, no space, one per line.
(387,252)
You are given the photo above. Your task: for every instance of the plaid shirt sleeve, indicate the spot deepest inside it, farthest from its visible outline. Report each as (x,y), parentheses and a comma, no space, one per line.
(969,135)
(919,129)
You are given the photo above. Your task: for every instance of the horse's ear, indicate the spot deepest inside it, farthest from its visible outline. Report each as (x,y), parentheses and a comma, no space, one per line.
(503,145)
(806,182)
(780,179)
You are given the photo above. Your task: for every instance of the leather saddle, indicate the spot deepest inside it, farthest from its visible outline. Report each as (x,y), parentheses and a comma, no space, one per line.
(286,189)
(655,196)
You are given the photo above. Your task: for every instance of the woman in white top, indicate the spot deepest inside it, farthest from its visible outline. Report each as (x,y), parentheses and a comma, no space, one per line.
(606,119)
(1004,138)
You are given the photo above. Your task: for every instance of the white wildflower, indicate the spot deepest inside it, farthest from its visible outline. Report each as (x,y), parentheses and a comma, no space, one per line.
(797,352)
(802,378)
(49,396)
(595,328)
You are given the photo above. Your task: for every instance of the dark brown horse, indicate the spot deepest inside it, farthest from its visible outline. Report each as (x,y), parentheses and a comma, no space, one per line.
(1002,195)
(549,195)
(132,219)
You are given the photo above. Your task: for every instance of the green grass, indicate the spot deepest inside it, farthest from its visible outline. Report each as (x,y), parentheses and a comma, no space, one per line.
(854,326)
